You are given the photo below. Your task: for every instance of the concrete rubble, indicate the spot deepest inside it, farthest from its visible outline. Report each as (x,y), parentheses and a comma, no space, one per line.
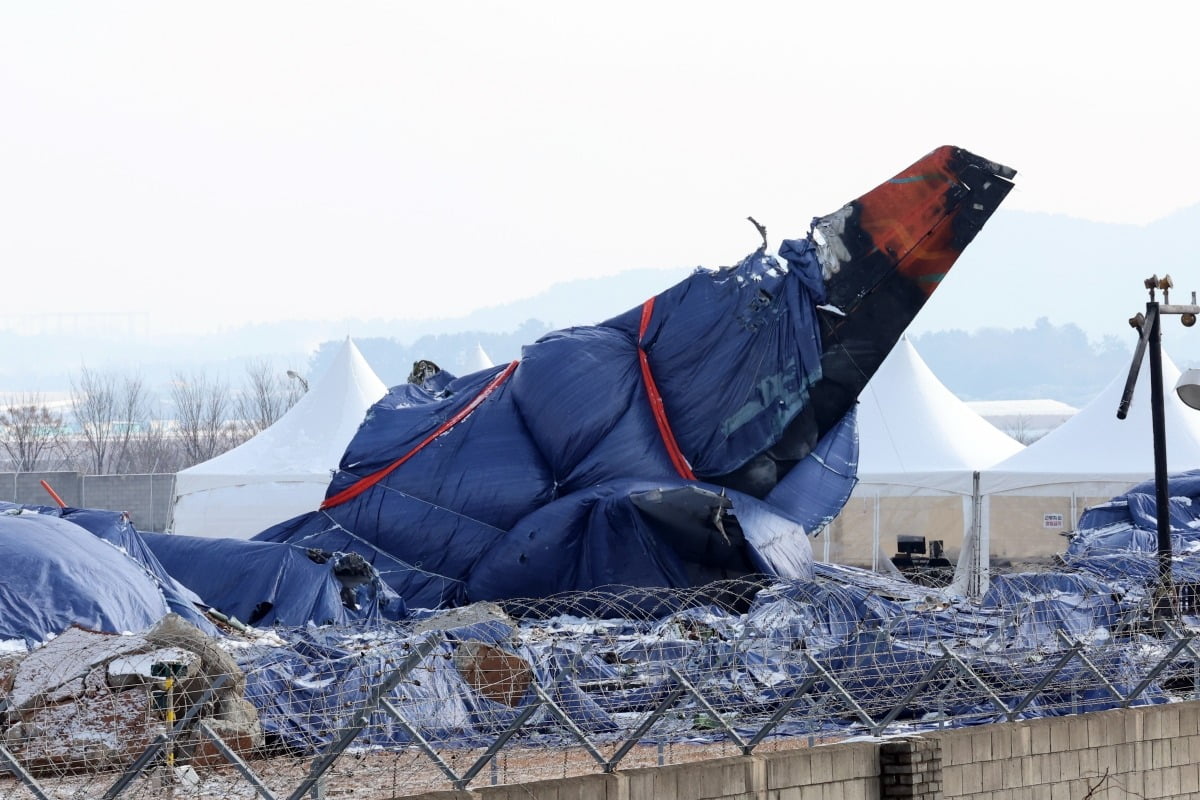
(85,700)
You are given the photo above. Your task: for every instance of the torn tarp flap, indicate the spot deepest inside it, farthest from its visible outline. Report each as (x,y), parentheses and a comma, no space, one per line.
(264,583)
(817,487)
(802,258)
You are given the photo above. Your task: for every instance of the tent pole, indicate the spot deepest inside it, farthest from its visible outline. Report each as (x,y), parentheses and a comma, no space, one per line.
(875,537)
(983,550)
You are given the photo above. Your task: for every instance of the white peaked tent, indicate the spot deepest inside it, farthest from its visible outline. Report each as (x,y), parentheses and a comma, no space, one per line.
(476,360)
(1031,497)
(920,448)
(285,469)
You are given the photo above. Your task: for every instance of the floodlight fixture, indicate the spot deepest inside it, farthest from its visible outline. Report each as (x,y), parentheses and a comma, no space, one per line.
(291,373)
(1188,387)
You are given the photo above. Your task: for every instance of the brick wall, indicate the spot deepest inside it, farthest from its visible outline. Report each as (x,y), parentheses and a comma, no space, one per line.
(836,772)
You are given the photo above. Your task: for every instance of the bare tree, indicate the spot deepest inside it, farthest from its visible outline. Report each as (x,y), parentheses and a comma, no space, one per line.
(31,434)
(267,396)
(202,408)
(1023,431)
(109,410)
(155,449)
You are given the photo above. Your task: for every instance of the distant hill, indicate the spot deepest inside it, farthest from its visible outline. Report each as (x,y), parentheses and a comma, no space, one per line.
(1024,267)
(45,362)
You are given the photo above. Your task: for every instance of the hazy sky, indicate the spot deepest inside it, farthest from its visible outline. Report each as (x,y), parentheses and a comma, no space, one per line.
(215,163)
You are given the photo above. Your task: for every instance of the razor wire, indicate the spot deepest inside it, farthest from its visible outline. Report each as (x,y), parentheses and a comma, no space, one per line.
(588,682)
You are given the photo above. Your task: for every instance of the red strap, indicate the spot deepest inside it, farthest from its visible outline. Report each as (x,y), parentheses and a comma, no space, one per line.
(656,402)
(362,484)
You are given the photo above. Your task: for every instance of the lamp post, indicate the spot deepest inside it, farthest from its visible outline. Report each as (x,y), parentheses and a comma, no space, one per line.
(291,373)
(1150,333)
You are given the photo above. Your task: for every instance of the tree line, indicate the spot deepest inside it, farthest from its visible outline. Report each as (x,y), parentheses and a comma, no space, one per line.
(1046,360)
(113,424)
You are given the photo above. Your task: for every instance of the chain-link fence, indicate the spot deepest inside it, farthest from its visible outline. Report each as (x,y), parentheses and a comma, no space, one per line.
(535,689)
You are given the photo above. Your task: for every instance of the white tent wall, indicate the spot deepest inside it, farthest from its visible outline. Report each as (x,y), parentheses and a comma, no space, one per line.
(1031,498)
(875,515)
(284,470)
(920,447)
(242,510)
(935,505)
(1032,524)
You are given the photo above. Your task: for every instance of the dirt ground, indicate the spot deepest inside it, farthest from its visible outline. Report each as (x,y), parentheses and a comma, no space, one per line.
(373,775)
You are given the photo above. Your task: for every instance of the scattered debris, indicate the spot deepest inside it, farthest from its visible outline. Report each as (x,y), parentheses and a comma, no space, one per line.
(87,700)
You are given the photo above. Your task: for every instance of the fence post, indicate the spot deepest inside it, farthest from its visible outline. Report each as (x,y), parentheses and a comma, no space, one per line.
(151,753)
(11,762)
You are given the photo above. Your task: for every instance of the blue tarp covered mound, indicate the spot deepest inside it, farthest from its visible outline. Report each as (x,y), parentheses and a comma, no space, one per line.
(668,446)
(56,574)
(697,437)
(92,568)
(1118,540)
(264,584)
(115,528)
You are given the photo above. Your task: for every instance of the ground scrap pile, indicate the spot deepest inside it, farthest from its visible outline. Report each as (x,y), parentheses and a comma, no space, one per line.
(843,653)
(874,637)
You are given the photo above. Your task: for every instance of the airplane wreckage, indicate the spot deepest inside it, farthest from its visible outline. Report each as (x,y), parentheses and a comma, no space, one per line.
(700,436)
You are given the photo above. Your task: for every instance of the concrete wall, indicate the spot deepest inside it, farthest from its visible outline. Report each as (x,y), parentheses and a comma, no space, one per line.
(1147,752)
(147,498)
(25,487)
(838,772)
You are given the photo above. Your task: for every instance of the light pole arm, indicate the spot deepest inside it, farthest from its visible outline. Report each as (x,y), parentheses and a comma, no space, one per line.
(1139,352)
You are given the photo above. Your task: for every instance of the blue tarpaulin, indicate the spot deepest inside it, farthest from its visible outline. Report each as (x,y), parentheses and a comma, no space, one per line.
(58,574)
(559,472)
(92,568)
(1118,540)
(264,584)
(876,648)
(701,435)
